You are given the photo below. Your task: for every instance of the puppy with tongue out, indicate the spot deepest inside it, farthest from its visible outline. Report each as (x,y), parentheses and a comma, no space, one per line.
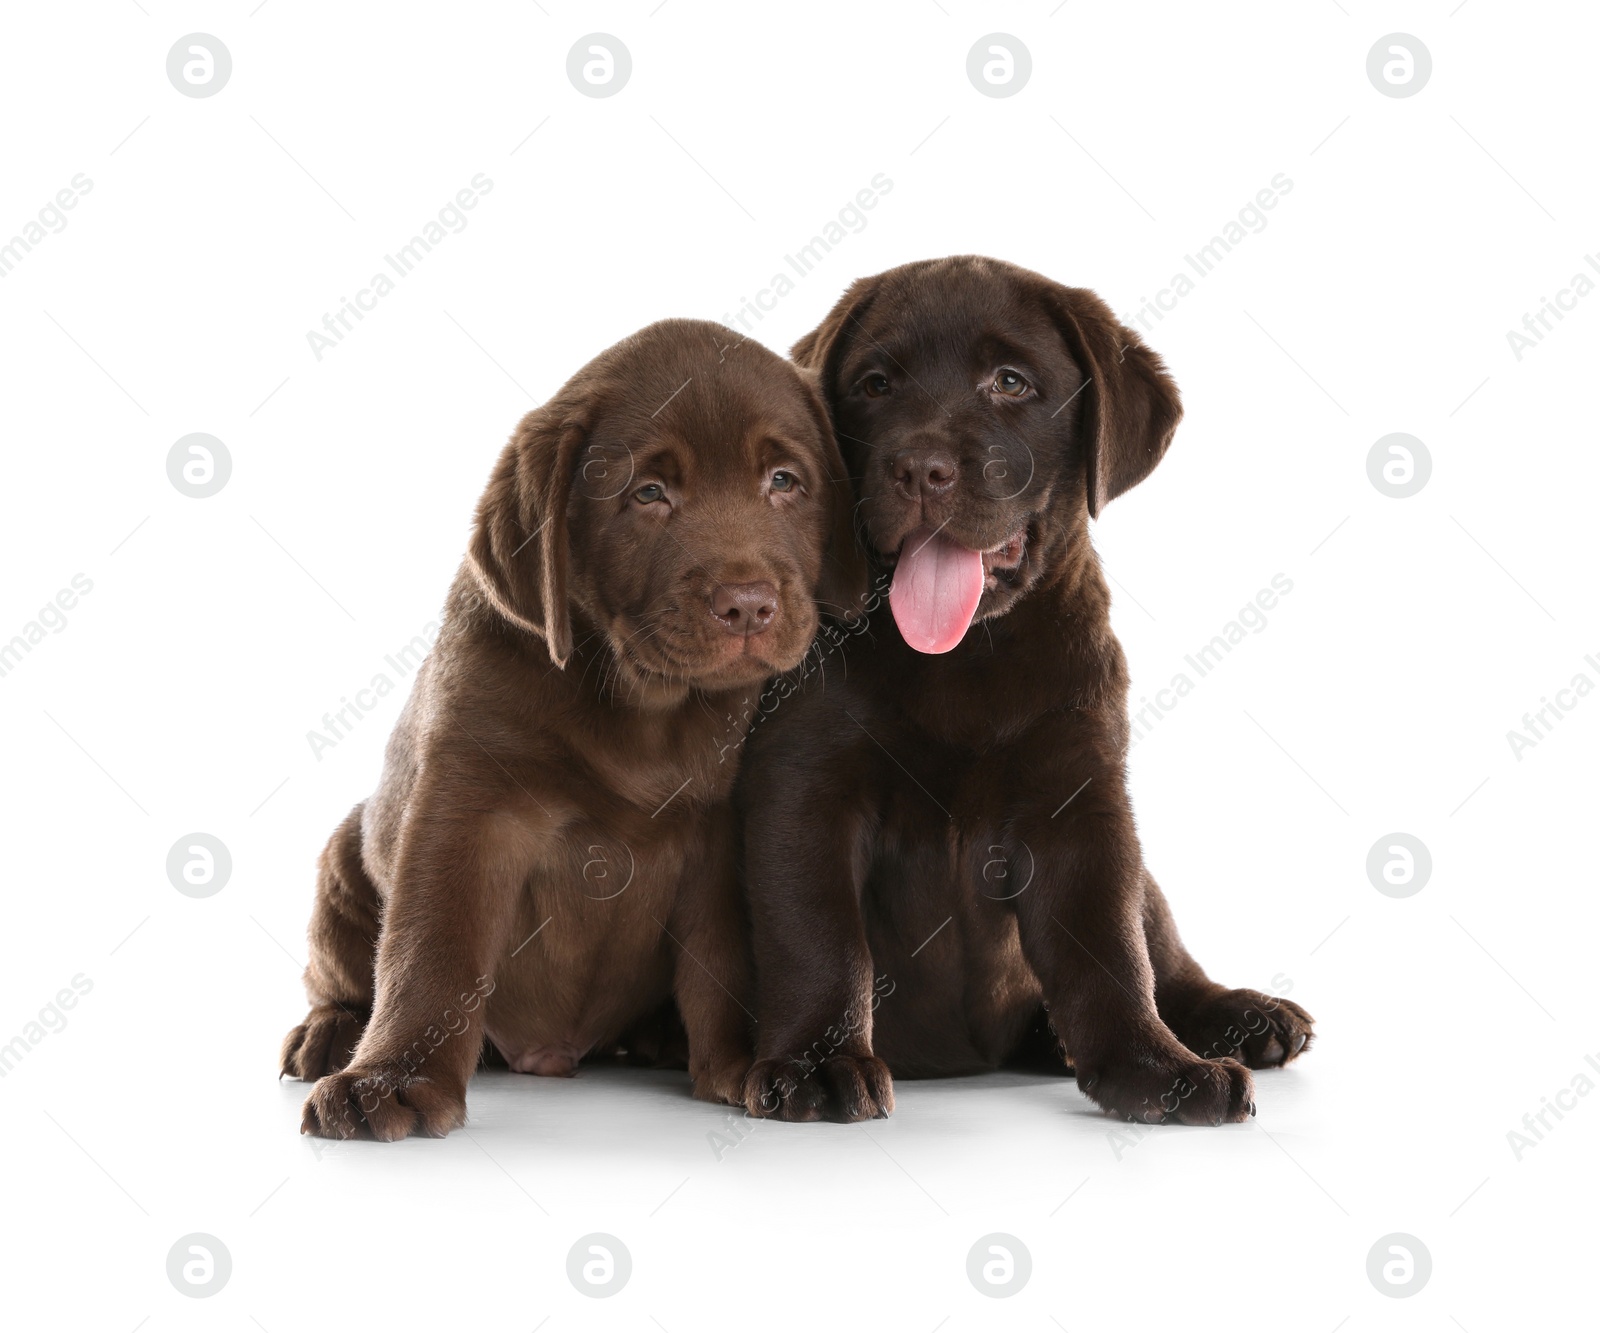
(941,862)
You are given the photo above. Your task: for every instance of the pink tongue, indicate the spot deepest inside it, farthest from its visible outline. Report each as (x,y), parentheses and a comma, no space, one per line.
(936,589)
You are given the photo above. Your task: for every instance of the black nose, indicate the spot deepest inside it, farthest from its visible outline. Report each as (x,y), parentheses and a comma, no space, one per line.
(745,608)
(923,472)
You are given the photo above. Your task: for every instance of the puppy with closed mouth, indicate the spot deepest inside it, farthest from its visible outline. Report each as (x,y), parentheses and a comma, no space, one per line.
(550,857)
(941,861)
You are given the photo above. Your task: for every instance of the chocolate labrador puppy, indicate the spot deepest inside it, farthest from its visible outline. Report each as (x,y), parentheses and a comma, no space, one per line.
(941,859)
(550,855)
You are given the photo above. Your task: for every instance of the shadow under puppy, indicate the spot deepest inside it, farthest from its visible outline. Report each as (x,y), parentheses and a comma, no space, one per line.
(550,855)
(942,865)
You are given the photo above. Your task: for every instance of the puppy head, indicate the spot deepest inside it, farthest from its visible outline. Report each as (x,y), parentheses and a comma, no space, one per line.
(985,412)
(683,501)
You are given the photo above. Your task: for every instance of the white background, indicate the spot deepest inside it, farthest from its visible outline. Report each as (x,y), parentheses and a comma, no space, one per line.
(178,696)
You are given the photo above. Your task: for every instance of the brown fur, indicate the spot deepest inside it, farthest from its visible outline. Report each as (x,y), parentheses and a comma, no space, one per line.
(942,865)
(550,857)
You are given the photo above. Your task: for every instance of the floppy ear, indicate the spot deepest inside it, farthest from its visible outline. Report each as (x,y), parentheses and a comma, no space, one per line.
(1132,405)
(842,589)
(518,550)
(822,349)
(845,579)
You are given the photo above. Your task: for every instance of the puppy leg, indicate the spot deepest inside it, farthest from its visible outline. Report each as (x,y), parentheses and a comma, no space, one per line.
(1082,931)
(343,938)
(814,1057)
(712,975)
(1261,1031)
(444,929)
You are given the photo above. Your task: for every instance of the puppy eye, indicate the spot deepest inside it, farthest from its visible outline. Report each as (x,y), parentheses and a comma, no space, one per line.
(875,385)
(784,481)
(1011,384)
(648,495)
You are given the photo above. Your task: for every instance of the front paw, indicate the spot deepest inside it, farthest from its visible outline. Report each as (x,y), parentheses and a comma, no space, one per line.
(1260,1031)
(722,1083)
(324,1043)
(1166,1083)
(384,1102)
(844,1088)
